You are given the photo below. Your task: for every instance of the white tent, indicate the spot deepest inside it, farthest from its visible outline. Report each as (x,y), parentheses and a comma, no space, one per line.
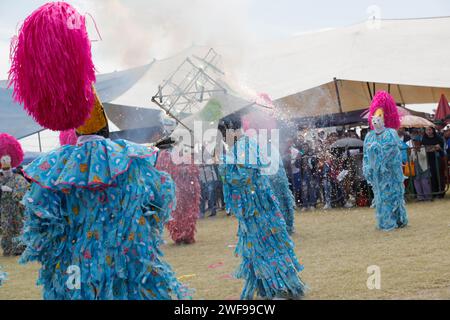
(331,71)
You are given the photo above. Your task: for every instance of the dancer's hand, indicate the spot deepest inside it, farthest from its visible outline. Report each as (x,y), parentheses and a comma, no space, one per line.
(6,189)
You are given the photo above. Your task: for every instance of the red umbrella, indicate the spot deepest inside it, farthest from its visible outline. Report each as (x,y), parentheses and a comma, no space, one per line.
(443,110)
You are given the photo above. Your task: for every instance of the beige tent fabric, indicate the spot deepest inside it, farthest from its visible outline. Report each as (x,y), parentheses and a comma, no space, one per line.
(353,96)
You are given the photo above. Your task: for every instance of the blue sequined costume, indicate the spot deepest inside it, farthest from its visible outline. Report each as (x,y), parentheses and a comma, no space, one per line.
(286,200)
(100,208)
(269,264)
(383,170)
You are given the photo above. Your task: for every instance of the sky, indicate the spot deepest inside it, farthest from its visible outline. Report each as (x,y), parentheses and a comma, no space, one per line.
(136,31)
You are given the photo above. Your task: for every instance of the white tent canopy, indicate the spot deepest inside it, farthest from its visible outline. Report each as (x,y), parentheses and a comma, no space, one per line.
(407,57)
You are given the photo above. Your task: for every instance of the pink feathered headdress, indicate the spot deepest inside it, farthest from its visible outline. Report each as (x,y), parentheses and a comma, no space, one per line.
(9,146)
(68,138)
(51,67)
(386,102)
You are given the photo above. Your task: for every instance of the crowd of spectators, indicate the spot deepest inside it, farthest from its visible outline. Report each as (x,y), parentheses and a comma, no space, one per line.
(321,172)
(324,174)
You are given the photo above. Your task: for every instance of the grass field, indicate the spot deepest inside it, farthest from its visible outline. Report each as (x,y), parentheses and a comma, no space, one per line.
(336,248)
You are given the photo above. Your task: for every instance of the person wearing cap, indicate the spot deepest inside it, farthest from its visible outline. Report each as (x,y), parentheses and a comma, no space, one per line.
(12,189)
(382,163)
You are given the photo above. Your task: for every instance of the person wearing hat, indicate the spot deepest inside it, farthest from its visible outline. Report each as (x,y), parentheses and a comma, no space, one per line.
(96,211)
(12,189)
(382,163)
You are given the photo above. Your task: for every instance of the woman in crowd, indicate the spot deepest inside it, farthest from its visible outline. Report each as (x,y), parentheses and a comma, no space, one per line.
(434,146)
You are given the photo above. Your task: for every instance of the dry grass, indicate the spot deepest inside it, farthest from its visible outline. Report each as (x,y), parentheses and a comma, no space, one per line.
(336,248)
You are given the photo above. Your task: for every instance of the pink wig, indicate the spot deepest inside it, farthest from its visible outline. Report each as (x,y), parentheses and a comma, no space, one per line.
(386,102)
(9,146)
(68,138)
(51,67)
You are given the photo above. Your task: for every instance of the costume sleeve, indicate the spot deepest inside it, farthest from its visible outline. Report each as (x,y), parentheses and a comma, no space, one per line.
(44,226)
(160,200)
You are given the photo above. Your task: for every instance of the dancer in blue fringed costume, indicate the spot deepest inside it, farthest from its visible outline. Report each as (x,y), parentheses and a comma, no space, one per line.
(100,207)
(269,264)
(286,200)
(95,211)
(383,163)
(3,276)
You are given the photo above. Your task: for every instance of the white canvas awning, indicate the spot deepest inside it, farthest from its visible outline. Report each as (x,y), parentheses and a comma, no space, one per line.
(407,57)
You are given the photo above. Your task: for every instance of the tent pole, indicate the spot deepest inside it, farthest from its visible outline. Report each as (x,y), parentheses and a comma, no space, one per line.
(401,95)
(40,143)
(370,91)
(338,94)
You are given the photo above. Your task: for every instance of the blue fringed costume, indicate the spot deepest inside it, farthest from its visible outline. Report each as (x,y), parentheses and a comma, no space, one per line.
(100,206)
(3,276)
(382,163)
(95,212)
(269,264)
